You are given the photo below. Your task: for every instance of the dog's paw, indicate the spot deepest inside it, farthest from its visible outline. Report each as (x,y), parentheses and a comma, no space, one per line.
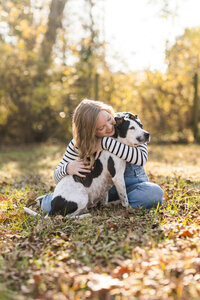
(125,204)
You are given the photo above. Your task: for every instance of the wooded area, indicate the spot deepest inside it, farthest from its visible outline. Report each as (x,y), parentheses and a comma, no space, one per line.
(53,54)
(44,73)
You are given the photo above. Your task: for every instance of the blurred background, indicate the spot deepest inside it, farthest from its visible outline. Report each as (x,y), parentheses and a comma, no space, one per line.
(139,56)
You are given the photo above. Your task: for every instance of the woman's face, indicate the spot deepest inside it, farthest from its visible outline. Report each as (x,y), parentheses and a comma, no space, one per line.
(105,124)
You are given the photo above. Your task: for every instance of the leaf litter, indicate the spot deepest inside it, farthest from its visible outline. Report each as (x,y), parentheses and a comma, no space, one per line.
(114,254)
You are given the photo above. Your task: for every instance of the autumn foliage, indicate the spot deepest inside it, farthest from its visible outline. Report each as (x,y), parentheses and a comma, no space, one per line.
(45,70)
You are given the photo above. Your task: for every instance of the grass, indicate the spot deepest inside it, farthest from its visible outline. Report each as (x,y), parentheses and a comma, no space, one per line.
(116,253)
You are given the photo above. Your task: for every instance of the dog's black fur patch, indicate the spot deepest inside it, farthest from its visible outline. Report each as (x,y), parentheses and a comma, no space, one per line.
(111,166)
(63,207)
(121,129)
(96,172)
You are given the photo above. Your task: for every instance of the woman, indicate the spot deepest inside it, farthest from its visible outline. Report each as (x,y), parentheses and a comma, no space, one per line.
(93,128)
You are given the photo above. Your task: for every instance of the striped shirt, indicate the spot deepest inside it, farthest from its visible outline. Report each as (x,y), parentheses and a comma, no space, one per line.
(134,155)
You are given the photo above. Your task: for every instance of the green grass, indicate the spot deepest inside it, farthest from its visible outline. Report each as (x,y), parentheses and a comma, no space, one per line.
(115,253)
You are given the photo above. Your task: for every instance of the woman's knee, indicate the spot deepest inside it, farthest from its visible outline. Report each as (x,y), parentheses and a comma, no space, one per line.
(146,194)
(157,194)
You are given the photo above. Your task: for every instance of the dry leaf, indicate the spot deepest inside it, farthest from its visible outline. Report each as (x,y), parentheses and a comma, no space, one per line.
(119,271)
(185,233)
(100,281)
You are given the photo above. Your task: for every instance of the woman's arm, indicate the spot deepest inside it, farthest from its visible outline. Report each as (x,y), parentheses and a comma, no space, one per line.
(71,164)
(70,155)
(134,155)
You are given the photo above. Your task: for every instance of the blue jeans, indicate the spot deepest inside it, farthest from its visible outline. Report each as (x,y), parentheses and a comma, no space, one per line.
(139,190)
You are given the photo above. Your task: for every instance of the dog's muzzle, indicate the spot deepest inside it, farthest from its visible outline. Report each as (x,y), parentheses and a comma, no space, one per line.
(145,138)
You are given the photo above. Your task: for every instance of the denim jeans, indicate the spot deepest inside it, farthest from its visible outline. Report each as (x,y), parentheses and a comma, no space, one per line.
(46,203)
(139,190)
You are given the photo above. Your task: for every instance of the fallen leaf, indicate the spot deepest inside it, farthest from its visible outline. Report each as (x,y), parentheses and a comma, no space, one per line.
(185,233)
(100,281)
(166,196)
(37,278)
(119,271)
(63,236)
(2,198)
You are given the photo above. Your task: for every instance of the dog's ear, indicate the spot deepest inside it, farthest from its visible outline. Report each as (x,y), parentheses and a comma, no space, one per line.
(119,120)
(133,117)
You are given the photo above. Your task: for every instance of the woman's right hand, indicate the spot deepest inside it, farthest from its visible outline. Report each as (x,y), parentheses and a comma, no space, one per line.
(77,166)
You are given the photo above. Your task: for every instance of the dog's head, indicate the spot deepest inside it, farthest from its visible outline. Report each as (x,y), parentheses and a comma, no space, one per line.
(129,127)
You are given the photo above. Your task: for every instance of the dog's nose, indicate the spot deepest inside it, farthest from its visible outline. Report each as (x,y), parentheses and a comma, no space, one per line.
(147,135)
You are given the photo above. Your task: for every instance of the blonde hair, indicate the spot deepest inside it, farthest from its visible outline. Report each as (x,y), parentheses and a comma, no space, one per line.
(84,127)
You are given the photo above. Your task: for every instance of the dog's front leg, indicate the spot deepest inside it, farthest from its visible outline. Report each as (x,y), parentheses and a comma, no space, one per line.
(105,200)
(121,189)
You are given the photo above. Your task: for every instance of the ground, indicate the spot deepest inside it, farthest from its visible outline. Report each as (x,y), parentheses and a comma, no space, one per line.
(116,253)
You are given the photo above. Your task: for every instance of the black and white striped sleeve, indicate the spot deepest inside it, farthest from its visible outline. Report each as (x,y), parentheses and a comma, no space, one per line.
(134,155)
(70,155)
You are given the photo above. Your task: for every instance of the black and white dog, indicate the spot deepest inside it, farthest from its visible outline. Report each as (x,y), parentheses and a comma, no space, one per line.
(73,195)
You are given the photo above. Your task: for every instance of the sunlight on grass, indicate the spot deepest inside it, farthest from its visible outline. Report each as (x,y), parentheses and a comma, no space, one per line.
(150,252)
(11,169)
(174,160)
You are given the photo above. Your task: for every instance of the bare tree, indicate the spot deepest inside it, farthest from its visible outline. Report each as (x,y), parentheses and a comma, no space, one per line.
(54,23)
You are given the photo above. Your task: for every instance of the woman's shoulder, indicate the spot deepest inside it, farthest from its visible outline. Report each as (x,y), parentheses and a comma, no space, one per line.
(72,145)
(72,142)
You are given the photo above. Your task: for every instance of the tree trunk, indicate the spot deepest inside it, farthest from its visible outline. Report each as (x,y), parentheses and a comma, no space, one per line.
(54,22)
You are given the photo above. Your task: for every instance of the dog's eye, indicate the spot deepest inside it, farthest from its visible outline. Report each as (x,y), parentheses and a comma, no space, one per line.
(132,127)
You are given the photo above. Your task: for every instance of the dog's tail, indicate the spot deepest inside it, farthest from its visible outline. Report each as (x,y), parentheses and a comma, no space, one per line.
(31,212)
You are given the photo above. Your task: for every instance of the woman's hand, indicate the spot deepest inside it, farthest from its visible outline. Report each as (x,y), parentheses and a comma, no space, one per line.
(98,148)
(77,166)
